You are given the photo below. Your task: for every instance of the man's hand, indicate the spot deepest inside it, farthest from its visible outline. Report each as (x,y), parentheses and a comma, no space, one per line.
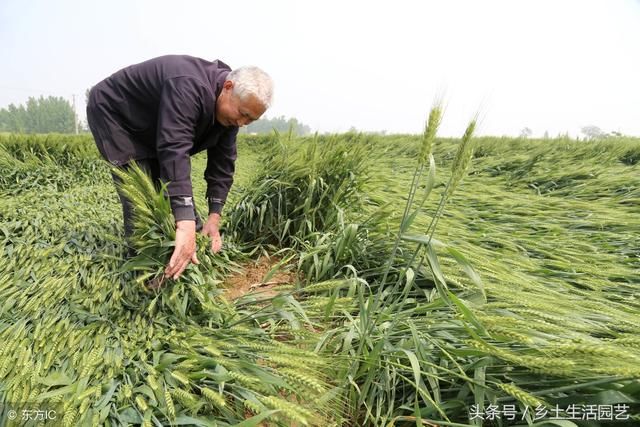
(185,249)
(211,229)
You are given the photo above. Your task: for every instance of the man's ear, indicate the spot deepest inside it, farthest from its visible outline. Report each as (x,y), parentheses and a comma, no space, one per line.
(228,84)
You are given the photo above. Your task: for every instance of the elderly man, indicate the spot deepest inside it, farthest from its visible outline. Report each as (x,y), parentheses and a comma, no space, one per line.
(162,111)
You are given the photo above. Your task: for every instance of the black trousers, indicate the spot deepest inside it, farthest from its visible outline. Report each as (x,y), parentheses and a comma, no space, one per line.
(152,168)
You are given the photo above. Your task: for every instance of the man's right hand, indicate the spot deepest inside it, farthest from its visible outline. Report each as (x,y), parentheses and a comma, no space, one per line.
(185,249)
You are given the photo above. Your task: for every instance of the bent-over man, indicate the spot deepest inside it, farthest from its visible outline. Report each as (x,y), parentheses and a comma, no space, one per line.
(164,110)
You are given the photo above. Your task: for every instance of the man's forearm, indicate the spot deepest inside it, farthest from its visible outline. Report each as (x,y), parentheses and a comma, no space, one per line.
(186,224)
(214,218)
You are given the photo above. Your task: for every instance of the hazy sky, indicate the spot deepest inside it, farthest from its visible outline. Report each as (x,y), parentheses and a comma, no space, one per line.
(376,65)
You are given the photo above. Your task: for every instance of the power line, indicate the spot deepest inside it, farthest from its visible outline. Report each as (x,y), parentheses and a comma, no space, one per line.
(75,112)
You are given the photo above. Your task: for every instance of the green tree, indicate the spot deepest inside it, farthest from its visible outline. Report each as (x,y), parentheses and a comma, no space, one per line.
(13,119)
(526,133)
(40,115)
(281,124)
(593,132)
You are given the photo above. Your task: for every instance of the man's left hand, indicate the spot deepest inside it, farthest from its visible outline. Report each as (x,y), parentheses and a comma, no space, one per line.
(211,229)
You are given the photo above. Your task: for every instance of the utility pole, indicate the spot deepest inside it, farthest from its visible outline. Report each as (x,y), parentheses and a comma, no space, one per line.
(75,113)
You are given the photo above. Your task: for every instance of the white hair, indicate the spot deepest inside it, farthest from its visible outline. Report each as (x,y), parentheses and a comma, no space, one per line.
(252,80)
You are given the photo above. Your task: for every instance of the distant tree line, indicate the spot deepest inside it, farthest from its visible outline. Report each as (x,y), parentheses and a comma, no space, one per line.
(594,132)
(590,132)
(55,114)
(39,115)
(281,124)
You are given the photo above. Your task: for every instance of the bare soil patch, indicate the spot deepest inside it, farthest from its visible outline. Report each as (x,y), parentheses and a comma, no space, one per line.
(251,279)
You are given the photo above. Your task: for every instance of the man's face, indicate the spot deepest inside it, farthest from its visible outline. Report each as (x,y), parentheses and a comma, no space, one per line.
(232,111)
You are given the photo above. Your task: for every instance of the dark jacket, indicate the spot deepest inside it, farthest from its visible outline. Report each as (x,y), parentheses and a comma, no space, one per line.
(164,109)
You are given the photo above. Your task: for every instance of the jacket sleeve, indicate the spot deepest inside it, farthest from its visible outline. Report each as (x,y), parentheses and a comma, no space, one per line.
(179,110)
(220,169)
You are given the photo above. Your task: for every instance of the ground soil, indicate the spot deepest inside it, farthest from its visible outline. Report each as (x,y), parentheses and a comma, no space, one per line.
(251,279)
